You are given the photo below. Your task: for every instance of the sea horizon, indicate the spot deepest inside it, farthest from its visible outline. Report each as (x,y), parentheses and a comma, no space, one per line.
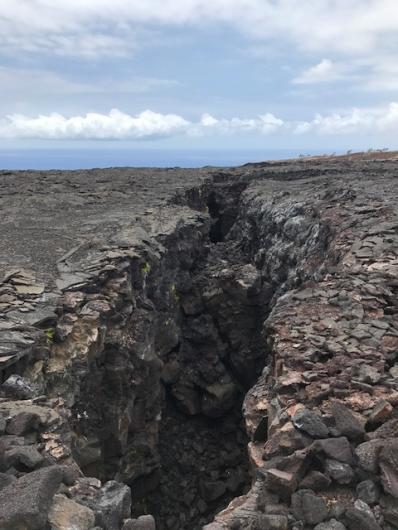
(74,159)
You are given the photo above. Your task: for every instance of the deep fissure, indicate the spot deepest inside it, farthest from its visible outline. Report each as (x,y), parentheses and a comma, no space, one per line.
(203,447)
(191,349)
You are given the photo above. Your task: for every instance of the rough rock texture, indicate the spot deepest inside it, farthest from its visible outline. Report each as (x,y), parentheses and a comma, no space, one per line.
(140,309)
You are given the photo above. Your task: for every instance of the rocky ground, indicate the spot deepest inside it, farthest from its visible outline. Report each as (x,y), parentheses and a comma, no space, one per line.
(200,348)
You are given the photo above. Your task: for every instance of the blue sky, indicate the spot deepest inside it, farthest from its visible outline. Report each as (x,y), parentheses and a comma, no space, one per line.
(311,74)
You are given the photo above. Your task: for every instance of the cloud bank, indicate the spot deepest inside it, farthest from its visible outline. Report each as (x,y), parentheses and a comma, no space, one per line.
(148,125)
(100,27)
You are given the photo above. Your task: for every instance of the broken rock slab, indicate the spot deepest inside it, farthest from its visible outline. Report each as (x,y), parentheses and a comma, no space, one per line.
(25,503)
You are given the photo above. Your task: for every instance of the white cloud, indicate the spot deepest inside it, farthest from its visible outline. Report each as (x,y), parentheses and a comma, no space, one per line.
(148,125)
(323,72)
(358,121)
(113,126)
(98,27)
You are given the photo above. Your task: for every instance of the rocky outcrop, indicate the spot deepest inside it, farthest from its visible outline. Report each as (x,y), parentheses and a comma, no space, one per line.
(180,297)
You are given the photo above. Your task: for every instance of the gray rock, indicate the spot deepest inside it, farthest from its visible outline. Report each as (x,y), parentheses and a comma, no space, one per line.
(145,522)
(360,517)
(332,524)
(25,503)
(6,480)
(389,507)
(368,491)
(27,456)
(308,507)
(311,423)
(339,472)
(346,422)
(272,522)
(20,388)
(111,504)
(65,514)
(335,448)
(369,374)
(388,462)
(367,454)
(23,423)
(316,481)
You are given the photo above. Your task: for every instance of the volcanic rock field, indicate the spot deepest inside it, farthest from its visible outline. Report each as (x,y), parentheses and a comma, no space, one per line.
(200,348)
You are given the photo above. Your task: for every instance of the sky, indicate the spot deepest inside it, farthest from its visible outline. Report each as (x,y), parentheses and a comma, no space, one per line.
(206,74)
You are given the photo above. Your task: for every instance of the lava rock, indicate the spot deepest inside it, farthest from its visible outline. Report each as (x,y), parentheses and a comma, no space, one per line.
(388,461)
(335,448)
(346,422)
(27,456)
(271,522)
(6,480)
(339,472)
(25,503)
(367,454)
(113,505)
(66,514)
(145,522)
(311,423)
(280,482)
(368,491)
(23,423)
(389,507)
(18,387)
(308,507)
(316,481)
(360,517)
(332,524)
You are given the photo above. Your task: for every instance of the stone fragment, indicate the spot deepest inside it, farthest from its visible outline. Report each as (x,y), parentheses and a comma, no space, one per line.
(30,289)
(308,507)
(339,472)
(368,454)
(369,374)
(23,423)
(388,461)
(6,480)
(18,387)
(311,423)
(381,412)
(346,422)
(27,456)
(272,522)
(389,507)
(316,481)
(332,524)
(218,399)
(65,514)
(360,517)
(280,482)
(368,491)
(335,448)
(25,503)
(111,504)
(389,429)
(145,522)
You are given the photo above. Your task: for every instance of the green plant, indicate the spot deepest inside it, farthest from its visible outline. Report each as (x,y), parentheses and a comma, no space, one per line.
(173,291)
(145,269)
(50,334)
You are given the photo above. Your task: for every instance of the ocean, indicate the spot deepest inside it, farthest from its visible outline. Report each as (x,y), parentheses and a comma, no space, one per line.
(44,159)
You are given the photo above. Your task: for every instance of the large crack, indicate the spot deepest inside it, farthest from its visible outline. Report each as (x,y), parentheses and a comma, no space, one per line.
(221,352)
